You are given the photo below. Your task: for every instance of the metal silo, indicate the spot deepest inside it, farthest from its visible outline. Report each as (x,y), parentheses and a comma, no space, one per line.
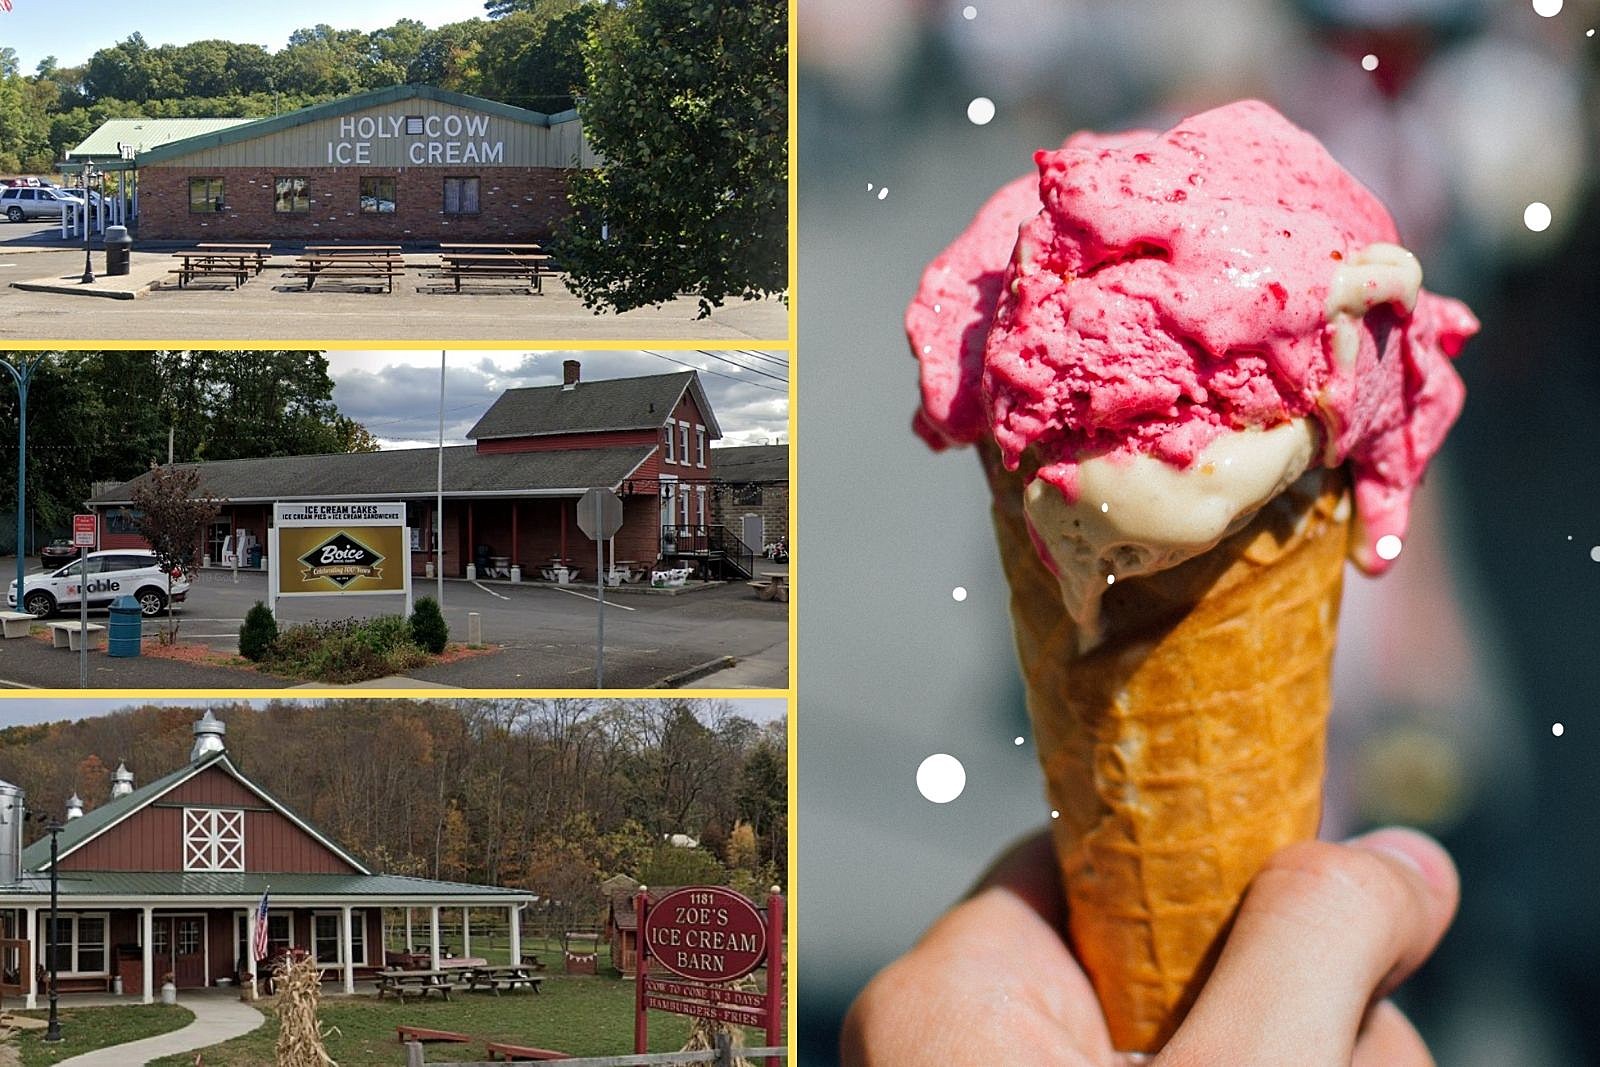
(13,805)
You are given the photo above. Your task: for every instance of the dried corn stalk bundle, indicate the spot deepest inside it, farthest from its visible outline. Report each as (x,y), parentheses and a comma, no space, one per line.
(300,1034)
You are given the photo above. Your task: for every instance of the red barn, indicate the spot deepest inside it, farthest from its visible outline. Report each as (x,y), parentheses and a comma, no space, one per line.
(165,879)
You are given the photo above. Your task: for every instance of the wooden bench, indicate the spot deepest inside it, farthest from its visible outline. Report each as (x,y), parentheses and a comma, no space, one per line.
(422,1033)
(16,623)
(384,266)
(71,634)
(416,983)
(468,266)
(503,1049)
(494,979)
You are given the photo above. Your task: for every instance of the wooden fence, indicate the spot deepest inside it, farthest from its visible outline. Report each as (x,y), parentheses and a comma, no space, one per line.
(724,1055)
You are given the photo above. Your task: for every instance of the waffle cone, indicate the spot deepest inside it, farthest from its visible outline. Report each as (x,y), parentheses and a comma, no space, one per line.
(1187,745)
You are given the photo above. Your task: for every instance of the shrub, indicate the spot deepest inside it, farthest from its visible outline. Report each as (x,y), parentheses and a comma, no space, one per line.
(258,634)
(428,627)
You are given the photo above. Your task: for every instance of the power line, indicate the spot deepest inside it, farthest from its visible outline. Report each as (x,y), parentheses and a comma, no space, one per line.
(741,366)
(764,355)
(719,374)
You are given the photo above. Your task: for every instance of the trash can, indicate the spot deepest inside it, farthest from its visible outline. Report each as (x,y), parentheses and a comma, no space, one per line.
(255,557)
(127,627)
(119,247)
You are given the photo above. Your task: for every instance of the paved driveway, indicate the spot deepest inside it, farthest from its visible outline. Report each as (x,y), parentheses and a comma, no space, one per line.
(544,637)
(270,307)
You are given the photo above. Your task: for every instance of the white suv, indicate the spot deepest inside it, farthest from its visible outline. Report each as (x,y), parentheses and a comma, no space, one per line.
(17,204)
(120,572)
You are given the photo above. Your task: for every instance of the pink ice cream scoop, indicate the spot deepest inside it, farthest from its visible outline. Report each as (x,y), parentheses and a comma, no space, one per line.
(1175,296)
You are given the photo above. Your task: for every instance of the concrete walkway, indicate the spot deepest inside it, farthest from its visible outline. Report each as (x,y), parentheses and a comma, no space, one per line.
(217,1018)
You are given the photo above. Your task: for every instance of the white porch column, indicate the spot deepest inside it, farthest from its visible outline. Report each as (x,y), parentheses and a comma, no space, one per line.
(516,935)
(347,948)
(433,935)
(32,919)
(466,931)
(408,928)
(149,954)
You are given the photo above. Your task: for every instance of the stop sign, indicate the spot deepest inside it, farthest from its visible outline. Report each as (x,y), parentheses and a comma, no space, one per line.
(600,514)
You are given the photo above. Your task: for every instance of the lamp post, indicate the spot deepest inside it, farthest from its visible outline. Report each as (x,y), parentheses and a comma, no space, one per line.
(88,266)
(53,1029)
(21,366)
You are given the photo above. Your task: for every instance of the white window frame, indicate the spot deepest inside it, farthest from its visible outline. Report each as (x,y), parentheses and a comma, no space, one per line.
(69,919)
(667,457)
(699,445)
(683,506)
(683,441)
(700,504)
(244,935)
(358,946)
(213,840)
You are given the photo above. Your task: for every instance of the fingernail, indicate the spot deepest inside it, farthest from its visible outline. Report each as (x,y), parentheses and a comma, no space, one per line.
(1416,850)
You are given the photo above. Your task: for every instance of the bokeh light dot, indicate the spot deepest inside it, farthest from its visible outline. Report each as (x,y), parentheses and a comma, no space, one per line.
(969,12)
(1111,579)
(958,594)
(883,192)
(1589,32)
(1017,740)
(1536,216)
(941,778)
(1557,729)
(981,111)
(1369,62)
(1547,8)
(1054,814)
(1594,553)
(1389,546)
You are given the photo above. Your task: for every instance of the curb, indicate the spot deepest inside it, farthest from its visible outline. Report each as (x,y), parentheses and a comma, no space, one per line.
(681,678)
(65,289)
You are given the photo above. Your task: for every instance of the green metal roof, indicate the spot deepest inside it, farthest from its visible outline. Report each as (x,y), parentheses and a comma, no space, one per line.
(37,855)
(148,885)
(146,134)
(344,106)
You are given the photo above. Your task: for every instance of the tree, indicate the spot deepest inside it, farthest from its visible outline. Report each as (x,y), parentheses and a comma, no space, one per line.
(687,108)
(173,513)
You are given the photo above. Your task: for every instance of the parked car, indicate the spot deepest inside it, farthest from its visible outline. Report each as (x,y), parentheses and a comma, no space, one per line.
(114,573)
(29,203)
(57,552)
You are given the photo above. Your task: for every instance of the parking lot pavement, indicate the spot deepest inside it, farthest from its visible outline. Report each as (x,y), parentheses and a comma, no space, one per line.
(544,637)
(270,307)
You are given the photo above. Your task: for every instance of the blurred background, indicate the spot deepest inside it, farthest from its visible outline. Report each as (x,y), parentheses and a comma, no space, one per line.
(1466,680)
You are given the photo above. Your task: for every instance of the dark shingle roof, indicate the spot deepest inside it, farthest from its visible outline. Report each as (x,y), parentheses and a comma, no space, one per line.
(248,885)
(642,403)
(752,463)
(407,472)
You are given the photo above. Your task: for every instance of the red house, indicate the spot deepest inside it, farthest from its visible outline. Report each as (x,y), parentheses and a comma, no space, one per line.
(510,496)
(166,878)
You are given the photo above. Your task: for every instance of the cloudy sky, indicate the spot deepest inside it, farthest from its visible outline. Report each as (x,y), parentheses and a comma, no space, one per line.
(16,711)
(395,395)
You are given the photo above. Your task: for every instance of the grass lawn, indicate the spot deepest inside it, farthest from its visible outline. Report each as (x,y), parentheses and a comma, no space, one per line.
(87,1029)
(583,1016)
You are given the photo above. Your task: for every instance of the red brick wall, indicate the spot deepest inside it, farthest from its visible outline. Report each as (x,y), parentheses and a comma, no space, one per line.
(515,202)
(773,509)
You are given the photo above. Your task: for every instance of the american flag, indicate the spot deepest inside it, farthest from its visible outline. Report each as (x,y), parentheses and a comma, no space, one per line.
(5,5)
(258,936)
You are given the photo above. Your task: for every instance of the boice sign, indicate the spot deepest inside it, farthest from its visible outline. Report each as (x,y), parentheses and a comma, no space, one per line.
(340,550)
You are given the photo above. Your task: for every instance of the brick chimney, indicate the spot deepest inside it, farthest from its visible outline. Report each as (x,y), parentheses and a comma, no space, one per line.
(569,374)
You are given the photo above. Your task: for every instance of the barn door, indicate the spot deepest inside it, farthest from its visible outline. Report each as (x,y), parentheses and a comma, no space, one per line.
(180,947)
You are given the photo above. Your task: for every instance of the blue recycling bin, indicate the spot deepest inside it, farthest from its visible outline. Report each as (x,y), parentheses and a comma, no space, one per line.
(127,627)
(255,557)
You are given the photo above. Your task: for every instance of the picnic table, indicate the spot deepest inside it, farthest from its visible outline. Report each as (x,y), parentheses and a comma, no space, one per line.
(418,983)
(382,262)
(497,978)
(775,586)
(257,252)
(212,263)
(484,246)
(468,266)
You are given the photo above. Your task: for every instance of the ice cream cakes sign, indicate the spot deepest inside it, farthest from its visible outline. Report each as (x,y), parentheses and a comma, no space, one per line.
(340,550)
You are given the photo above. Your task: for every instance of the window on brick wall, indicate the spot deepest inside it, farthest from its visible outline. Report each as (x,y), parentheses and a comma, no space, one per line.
(292,196)
(377,196)
(668,456)
(683,440)
(700,505)
(205,195)
(700,446)
(461,196)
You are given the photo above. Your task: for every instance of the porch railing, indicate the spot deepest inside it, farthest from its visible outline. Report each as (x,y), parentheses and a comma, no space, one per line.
(719,546)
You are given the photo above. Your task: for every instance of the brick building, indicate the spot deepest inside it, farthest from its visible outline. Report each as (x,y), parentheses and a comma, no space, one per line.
(166,878)
(511,495)
(753,480)
(406,163)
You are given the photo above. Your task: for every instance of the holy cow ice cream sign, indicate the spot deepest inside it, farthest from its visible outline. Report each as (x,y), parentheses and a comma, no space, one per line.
(340,550)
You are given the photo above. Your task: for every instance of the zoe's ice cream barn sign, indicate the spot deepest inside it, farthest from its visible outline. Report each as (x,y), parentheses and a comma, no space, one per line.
(404,164)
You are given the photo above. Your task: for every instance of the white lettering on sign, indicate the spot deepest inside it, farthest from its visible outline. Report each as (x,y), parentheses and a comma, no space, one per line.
(448,139)
(335,554)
